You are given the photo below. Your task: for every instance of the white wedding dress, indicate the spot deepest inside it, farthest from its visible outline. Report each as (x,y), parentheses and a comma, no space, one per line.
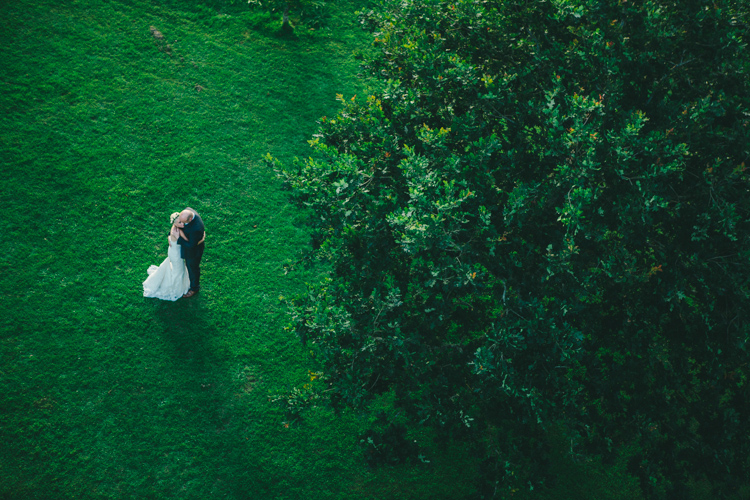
(170,280)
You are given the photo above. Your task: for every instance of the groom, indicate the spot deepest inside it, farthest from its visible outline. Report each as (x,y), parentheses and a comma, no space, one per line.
(192,247)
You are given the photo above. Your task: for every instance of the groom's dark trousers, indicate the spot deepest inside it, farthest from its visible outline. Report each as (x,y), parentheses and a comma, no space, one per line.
(192,252)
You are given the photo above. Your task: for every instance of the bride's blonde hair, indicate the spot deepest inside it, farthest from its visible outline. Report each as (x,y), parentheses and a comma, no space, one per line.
(174,217)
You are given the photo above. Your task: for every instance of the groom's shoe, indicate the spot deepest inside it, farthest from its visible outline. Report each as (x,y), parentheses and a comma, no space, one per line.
(189,294)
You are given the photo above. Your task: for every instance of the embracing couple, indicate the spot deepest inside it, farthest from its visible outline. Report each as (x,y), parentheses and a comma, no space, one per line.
(179,275)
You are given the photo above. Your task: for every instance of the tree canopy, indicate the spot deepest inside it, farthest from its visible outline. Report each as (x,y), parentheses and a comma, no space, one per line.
(540,217)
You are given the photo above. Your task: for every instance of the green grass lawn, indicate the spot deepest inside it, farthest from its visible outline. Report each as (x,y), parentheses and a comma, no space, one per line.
(105,130)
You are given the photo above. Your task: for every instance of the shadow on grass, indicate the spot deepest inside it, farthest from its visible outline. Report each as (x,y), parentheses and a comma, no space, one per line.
(215,418)
(185,327)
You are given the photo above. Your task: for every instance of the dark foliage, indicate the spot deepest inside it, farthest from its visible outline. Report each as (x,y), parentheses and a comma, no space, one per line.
(542,216)
(389,446)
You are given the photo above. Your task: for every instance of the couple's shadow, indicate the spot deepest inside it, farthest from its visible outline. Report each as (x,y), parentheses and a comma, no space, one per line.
(206,392)
(185,328)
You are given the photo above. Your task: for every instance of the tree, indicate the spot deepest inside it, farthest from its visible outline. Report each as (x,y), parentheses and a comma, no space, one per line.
(541,217)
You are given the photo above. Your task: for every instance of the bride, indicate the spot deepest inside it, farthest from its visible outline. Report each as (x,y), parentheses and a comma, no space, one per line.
(169,281)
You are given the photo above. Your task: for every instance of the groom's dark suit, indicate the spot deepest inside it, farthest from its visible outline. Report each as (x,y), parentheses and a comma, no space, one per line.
(192,252)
